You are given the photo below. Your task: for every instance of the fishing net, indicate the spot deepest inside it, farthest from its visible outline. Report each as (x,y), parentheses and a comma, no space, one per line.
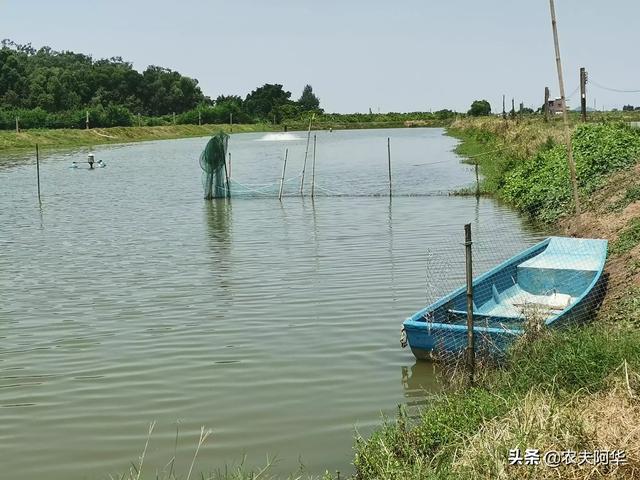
(214,167)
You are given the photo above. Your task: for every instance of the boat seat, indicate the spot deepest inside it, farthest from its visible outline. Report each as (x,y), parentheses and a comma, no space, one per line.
(568,254)
(566,266)
(463,313)
(562,261)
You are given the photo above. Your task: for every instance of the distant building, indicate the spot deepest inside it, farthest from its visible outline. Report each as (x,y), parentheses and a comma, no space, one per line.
(555,105)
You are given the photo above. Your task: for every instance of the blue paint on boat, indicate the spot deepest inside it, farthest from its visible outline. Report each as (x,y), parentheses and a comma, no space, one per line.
(558,280)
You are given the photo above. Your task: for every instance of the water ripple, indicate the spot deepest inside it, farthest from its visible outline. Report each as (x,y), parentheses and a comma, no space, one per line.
(127,299)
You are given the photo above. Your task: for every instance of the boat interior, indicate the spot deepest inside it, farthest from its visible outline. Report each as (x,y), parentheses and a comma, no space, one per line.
(540,285)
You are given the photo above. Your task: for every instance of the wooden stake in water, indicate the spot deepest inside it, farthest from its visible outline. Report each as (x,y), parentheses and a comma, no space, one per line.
(567,132)
(38,170)
(306,153)
(226,176)
(313,169)
(284,168)
(471,360)
(477,181)
(389,161)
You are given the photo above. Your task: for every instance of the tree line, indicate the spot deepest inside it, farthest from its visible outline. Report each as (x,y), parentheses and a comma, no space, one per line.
(53,89)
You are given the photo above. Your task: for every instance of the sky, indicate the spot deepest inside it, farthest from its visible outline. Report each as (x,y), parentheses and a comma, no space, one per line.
(403,55)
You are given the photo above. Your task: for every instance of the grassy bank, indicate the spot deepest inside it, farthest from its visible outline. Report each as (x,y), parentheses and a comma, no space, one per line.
(27,139)
(576,389)
(525,163)
(62,138)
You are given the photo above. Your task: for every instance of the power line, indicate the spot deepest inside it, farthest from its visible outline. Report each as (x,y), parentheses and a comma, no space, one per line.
(573,93)
(612,89)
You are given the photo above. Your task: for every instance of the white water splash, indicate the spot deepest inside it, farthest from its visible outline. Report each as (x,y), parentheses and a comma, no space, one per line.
(279,137)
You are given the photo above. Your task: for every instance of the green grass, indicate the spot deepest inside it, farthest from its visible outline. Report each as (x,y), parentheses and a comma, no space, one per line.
(537,396)
(631,195)
(628,239)
(27,139)
(525,164)
(64,138)
(491,154)
(578,360)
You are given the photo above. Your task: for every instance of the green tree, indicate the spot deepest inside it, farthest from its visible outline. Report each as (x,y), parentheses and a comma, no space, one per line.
(64,81)
(308,100)
(236,99)
(263,103)
(444,113)
(479,108)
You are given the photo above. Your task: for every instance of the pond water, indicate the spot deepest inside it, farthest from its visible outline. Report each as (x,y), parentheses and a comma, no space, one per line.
(126,299)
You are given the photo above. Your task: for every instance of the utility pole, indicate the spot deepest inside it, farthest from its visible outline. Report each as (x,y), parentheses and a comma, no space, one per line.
(17,124)
(567,132)
(546,104)
(513,108)
(86,121)
(504,112)
(583,93)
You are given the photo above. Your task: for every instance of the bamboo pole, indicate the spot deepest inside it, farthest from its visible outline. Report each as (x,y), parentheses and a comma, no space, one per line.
(306,153)
(313,169)
(471,360)
(226,176)
(284,168)
(477,180)
(567,132)
(38,171)
(389,162)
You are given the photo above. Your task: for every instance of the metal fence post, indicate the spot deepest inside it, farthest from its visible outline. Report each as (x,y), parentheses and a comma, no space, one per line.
(469,275)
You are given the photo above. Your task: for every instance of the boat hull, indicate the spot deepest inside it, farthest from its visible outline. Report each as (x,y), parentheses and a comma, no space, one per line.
(557,269)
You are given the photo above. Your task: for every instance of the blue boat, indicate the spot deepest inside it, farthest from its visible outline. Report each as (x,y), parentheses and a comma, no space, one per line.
(555,282)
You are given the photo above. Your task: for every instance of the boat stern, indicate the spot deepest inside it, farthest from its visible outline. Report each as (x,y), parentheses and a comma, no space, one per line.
(419,338)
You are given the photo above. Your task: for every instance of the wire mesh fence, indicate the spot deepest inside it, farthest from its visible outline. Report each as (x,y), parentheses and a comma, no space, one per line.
(517,293)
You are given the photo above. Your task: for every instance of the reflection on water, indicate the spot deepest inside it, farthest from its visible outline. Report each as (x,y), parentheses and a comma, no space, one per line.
(218,213)
(420,380)
(128,298)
